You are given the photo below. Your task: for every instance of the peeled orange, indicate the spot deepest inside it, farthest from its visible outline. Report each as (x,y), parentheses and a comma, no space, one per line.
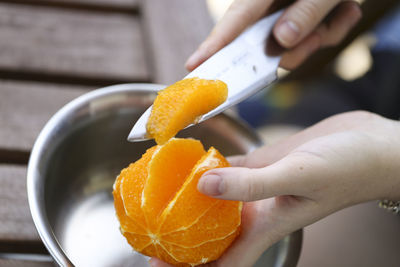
(181,104)
(162,214)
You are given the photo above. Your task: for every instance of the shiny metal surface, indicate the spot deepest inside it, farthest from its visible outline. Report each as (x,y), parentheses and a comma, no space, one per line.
(244,65)
(74,163)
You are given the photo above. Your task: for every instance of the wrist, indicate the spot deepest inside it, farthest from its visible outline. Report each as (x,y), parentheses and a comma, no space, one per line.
(390,163)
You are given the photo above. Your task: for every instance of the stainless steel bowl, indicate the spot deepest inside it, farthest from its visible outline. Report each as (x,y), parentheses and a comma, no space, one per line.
(74,163)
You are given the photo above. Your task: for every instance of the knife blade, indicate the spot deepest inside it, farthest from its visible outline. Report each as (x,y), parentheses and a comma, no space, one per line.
(247,65)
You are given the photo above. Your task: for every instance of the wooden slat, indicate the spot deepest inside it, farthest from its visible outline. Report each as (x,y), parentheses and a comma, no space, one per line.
(25,107)
(23,263)
(16,223)
(19,240)
(121,5)
(174,29)
(111,3)
(71,43)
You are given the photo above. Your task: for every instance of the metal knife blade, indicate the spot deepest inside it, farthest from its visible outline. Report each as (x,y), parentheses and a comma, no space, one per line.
(244,65)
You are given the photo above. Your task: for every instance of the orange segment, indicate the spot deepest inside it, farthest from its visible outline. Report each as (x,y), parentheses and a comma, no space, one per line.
(138,242)
(218,222)
(127,224)
(168,170)
(151,250)
(180,104)
(204,253)
(133,179)
(164,255)
(158,251)
(189,200)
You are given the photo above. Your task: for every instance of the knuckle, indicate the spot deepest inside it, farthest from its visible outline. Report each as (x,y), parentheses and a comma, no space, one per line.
(292,59)
(255,190)
(347,119)
(243,161)
(287,62)
(221,41)
(306,13)
(212,44)
(305,163)
(332,37)
(241,10)
(362,115)
(302,156)
(243,14)
(332,40)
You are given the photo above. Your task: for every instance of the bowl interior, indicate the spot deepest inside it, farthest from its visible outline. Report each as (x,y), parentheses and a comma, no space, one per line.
(84,155)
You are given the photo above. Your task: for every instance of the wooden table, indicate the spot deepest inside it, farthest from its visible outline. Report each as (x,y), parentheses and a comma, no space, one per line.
(52,51)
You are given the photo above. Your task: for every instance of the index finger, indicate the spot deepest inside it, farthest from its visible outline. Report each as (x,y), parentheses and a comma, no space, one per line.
(240,14)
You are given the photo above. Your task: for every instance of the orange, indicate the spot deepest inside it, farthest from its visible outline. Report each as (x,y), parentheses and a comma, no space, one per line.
(161,212)
(181,104)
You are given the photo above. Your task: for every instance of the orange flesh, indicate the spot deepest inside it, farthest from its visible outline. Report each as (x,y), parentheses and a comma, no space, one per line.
(163,214)
(181,104)
(167,172)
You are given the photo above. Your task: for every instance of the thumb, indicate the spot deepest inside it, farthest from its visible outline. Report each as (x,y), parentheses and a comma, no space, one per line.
(238,183)
(294,174)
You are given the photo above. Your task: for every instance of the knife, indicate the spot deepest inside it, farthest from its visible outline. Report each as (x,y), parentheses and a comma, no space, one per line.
(247,65)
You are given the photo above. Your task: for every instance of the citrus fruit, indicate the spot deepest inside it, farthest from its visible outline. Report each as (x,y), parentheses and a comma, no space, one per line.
(181,104)
(162,214)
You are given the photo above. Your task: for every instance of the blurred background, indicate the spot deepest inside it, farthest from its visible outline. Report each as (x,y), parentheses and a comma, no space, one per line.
(52,51)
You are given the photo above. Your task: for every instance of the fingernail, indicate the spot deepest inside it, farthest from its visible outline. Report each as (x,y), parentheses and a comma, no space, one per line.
(287,33)
(193,60)
(211,185)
